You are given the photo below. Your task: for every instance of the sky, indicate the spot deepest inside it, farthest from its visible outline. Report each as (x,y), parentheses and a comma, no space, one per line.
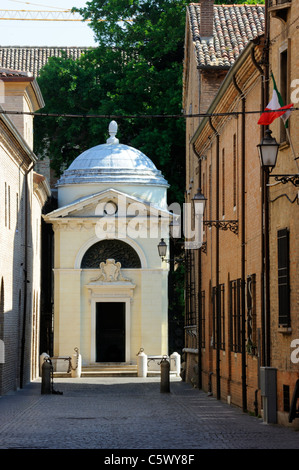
(43,33)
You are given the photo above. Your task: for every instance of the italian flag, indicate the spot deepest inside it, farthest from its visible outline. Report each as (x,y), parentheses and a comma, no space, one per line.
(275,109)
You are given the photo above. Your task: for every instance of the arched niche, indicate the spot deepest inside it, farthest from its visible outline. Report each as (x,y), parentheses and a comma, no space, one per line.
(111,249)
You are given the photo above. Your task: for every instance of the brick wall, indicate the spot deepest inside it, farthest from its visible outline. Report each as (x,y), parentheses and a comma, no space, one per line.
(206,18)
(230,243)
(284,213)
(201,87)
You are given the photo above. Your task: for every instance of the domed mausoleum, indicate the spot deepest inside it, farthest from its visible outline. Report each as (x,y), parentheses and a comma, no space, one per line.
(110,285)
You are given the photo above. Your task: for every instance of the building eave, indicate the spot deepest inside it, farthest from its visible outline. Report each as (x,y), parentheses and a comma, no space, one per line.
(224,87)
(17,136)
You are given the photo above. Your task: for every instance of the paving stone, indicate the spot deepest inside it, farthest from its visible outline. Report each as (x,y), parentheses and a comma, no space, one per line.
(131,413)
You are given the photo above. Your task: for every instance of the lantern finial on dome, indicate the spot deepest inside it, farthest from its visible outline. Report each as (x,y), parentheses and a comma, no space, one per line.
(112,132)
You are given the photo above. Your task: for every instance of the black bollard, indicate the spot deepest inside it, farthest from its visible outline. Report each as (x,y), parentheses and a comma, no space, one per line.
(165,370)
(46,377)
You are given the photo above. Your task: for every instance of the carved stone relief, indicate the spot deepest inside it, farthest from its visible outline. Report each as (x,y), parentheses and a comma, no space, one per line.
(110,272)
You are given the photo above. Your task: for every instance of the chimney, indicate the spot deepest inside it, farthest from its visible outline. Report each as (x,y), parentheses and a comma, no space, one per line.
(206,18)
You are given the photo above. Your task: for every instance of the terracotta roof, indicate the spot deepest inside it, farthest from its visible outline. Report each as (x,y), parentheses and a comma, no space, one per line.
(32,59)
(234,27)
(6,74)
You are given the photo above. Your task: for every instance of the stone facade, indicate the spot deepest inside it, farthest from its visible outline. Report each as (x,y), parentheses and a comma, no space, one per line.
(23,193)
(106,259)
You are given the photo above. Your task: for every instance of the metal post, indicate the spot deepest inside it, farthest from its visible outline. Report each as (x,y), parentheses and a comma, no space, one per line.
(165,371)
(46,377)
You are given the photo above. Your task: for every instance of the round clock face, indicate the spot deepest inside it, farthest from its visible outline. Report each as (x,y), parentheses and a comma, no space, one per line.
(110,208)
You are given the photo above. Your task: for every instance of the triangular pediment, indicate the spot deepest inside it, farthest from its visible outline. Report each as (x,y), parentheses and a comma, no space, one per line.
(108,202)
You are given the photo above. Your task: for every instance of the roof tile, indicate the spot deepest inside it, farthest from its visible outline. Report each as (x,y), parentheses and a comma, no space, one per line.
(234,27)
(32,59)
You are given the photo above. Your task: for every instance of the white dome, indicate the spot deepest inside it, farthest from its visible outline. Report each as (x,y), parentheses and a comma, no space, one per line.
(112,163)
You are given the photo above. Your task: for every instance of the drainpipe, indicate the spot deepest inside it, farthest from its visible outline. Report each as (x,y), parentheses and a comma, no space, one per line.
(266,339)
(262,353)
(243,155)
(199,324)
(26,281)
(265,174)
(218,319)
(199,327)
(265,289)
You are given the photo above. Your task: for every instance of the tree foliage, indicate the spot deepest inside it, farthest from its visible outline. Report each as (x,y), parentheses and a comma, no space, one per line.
(135,70)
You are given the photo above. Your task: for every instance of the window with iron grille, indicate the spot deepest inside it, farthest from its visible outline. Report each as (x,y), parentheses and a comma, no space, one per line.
(284,318)
(286,398)
(190,289)
(218,314)
(234,170)
(235,293)
(284,88)
(223,183)
(202,317)
(210,200)
(251,314)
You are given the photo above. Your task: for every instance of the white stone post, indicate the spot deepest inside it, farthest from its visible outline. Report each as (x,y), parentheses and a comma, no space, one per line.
(175,363)
(76,364)
(142,364)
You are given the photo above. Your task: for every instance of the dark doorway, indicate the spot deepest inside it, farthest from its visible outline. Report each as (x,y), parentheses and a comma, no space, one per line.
(110,331)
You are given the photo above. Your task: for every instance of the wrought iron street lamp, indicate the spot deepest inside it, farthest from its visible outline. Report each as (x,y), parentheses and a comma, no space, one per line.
(268,150)
(162,249)
(199,203)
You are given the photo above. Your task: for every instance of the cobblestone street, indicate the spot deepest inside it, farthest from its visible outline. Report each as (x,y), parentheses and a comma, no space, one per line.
(131,413)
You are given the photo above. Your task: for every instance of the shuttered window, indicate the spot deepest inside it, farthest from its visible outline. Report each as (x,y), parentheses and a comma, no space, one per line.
(283,277)
(235,294)
(218,335)
(202,318)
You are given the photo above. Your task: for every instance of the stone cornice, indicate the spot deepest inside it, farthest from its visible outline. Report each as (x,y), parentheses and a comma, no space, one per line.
(41,188)
(63,213)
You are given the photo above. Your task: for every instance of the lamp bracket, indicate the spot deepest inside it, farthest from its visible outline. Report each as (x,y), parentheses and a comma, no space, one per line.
(231,225)
(285,195)
(174,260)
(294,179)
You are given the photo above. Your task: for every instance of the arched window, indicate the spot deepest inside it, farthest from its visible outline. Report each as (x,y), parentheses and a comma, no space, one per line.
(110,249)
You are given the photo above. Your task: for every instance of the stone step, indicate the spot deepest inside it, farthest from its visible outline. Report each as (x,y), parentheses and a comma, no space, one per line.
(109,370)
(110,367)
